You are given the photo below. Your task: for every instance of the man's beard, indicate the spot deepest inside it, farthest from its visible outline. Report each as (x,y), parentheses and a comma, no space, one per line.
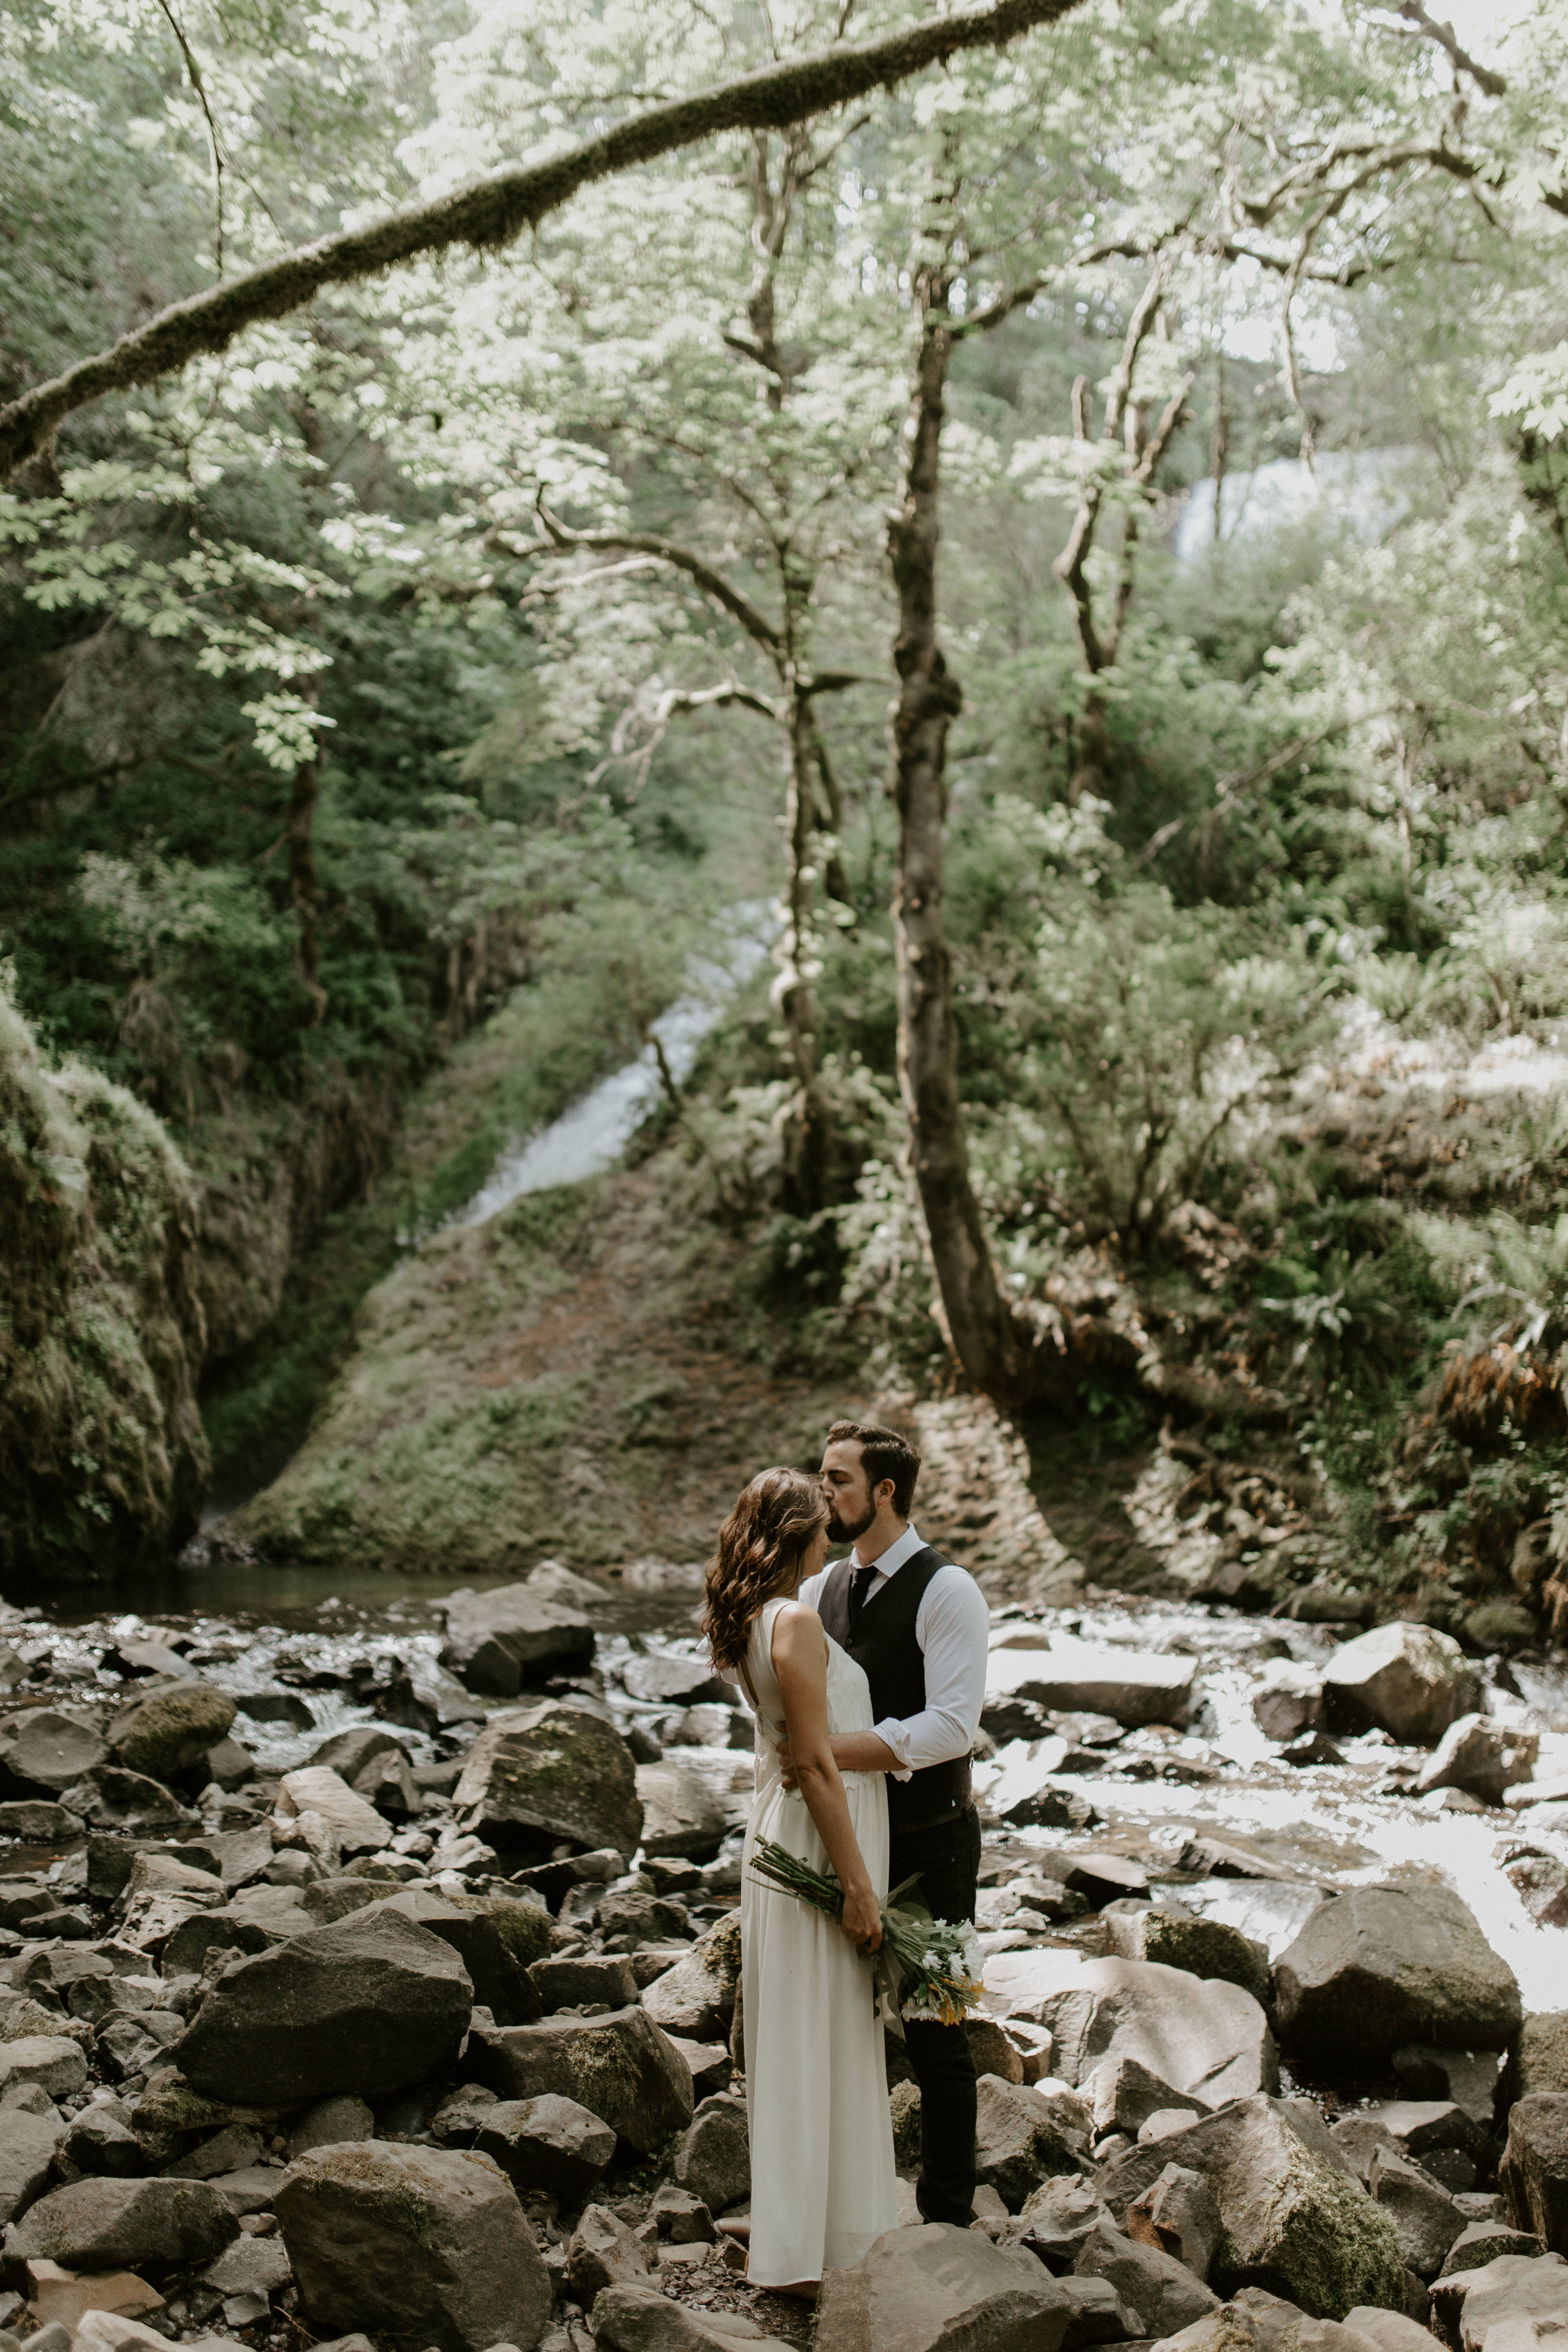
(847,1530)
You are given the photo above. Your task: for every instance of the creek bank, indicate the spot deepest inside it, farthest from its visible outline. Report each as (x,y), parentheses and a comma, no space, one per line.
(369,1958)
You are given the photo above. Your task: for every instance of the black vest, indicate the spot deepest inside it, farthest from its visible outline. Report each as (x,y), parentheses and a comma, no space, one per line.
(885,1647)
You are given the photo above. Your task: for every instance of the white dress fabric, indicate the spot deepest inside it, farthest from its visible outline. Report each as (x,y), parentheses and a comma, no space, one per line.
(823,2180)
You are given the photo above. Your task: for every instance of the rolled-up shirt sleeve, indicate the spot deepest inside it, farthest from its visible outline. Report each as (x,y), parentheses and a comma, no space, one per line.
(953,1630)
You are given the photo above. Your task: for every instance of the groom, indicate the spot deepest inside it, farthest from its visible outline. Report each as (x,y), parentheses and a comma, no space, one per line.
(919,1625)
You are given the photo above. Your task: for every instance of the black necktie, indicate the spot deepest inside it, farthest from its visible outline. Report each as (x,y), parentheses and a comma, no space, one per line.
(859,1593)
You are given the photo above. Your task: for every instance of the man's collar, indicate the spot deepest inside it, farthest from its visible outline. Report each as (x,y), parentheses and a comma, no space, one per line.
(902,1547)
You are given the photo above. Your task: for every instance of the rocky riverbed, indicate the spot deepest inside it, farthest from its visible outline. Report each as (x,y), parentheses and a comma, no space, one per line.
(367,1972)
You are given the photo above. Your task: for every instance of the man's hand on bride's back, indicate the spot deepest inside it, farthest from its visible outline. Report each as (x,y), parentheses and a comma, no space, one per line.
(787,1764)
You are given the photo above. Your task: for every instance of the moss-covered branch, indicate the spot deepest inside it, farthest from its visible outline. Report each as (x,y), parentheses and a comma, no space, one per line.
(492,211)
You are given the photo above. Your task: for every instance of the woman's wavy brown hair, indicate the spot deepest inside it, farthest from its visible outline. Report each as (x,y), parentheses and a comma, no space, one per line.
(761,1547)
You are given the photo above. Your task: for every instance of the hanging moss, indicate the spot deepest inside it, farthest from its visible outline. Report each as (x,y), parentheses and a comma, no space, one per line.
(103,1464)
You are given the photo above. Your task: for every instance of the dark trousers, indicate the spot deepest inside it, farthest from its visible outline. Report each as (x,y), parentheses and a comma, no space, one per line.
(948,1860)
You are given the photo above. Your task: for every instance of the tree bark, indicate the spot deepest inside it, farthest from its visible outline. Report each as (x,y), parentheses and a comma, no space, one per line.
(300,836)
(979,1324)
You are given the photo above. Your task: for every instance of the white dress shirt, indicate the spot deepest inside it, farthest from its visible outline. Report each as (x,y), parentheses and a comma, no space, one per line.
(952,1626)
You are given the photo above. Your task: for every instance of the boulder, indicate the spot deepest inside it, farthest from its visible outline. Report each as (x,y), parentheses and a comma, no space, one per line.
(1389,2331)
(49,2060)
(681,2218)
(1426,2219)
(1479,2243)
(229,2150)
(355,1823)
(43,1750)
(110,1798)
(1019,2141)
(1295,2223)
(1161,2291)
(1257,2322)
(27,2146)
(1056,2220)
(1540,2056)
(1196,2034)
(580,1980)
(1481,1757)
(1123,2093)
(1177,2212)
(497,1641)
(682,1815)
(32,1820)
(1469,2304)
(1288,1702)
(247,2274)
(171,1731)
(1383,1965)
(349,1753)
(501,1983)
(1073,1677)
(603,2252)
(1203,1947)
(640,2317)
(661,1677)
(548,2143)
(1405,1679)
(619,2066)
(99,2225)
(714,2158)
(539,1775)
(1534,2170)
(427,2246)
(697,1996)
(368,2005)
(326,2124)
(934,2286)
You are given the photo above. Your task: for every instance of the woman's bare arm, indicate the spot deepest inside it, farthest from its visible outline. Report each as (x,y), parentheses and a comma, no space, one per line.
(800,1662)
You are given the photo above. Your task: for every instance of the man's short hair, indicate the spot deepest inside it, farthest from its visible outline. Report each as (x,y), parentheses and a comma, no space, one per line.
(885,1454)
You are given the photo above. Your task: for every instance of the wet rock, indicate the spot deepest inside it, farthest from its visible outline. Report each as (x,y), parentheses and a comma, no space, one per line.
(1201,1948)
(27,2149)
(1380,1965)
(1196,2034)
(1178,2214)
(501,1982)
(428,2247)
(714,2158)
(547,1773)
(43,1750)
(1425,2219)
(1540,1882)
(1481,1757)
(603,2252)
(1295,2223)
(1161,2291)
(1467,2306)
(1479,2243)
(697,1996)
(1405,1679)
(662,1678)
(134,2224)
(349,1753)
(1534,2171)
(1123,2093)
(548,2143)
(1048,1806)
(326,2124)
(171,1731)
(1133,1686)
(619,2066)
(355,1823)
(682,1815)
(1288,1702)
(498,1641)
(32,1820)
(1540,2056)
(1106,1878)
(584,1981)
(919,2288)
(367,2006)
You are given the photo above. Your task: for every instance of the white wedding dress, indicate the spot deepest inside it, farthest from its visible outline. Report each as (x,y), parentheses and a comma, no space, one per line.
(823,2182)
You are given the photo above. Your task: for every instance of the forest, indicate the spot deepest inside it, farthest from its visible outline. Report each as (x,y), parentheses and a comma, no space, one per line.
(1049,521)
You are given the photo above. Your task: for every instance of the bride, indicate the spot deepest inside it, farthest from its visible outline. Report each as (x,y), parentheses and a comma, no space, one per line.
(822,2143)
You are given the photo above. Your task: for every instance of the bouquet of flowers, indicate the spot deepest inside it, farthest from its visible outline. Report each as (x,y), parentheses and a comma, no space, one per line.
(927,1967)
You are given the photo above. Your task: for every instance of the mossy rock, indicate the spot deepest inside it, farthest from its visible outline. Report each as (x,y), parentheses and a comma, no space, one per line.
(1205,1947)
(170,1731)
(905,2102)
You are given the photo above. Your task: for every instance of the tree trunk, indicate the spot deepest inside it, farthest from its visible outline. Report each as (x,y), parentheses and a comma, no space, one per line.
(301,839)
(794,1000)
(979,1323)
(1090,774)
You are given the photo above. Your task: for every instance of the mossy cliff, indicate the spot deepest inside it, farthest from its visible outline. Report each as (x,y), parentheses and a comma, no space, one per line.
(103,1462)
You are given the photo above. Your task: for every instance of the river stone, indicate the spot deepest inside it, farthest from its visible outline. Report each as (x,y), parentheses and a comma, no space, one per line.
(539,1775)
(498,1641)
(1379,1965)
(171,1729)
(43,1751)
(682,1813)
(934,2285)
(1480,1756)
(1295,2223)
(1073,1677)
(1018,2141)
(697,1997)
(1203,1947)
(583,1980)
(660,1676)
(427,2246)
(1540,2056)
(28,2145)
(103,2224)
(354,1823)
(1057,2219)
(714,2158)
(1123,2093)
(1407,1680)
(49,2060)
(1288,1702)
(640,2317)
(548,2143)
(368,2006)
(502,1984)
(1467,2306)
(1161,2291)
(32,1820)
(603,2252)
(619,2066)
(1177,2212)
(352,1752)
(1197,2034)
(325,2125)
(1426,2219)
(1534,2170)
